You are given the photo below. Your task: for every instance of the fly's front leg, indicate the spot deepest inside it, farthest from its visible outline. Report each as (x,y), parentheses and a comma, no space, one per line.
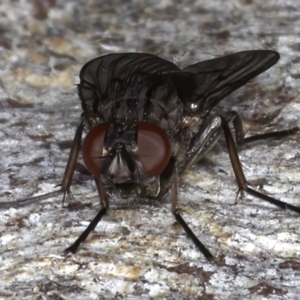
(104,207)
(175,210)
(209,133)
(73,156)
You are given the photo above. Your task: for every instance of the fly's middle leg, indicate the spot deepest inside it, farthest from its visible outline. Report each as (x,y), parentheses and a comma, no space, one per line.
(209,134)
(70,168)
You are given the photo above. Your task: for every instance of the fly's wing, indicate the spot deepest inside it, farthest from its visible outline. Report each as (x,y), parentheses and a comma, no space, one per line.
(207,83)
(101,75)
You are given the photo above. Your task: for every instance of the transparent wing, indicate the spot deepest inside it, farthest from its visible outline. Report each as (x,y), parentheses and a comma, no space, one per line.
(207,83)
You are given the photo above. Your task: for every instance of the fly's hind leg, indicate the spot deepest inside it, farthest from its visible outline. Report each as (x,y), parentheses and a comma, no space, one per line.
(240,135)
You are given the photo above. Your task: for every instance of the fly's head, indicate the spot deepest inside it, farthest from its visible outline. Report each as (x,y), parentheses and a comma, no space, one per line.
(128,156)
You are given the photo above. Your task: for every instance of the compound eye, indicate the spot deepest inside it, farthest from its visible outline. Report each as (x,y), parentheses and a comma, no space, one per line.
(154,148)
(92,148)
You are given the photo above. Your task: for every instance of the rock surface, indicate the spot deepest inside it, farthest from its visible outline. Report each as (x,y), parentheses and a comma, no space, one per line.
(141,253)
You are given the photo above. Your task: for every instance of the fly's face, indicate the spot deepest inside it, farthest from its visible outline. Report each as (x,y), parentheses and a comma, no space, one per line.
(128,156)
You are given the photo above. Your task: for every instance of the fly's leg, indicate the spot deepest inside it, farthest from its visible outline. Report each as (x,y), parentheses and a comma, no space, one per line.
(209,134)
(26,201)
(171,176)
(104,207)
(240,136)
(239,174)
(70,168)
(66,181)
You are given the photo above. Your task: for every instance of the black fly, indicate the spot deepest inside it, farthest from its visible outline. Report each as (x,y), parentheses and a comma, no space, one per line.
(147,122)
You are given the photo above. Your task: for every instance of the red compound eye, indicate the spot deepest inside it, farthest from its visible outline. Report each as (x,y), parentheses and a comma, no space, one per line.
(92,148)
(154,149)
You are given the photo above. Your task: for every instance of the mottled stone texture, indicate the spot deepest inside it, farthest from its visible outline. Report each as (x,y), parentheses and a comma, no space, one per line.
(141,253)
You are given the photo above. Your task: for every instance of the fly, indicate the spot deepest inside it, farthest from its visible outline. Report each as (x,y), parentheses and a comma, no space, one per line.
(147,122)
